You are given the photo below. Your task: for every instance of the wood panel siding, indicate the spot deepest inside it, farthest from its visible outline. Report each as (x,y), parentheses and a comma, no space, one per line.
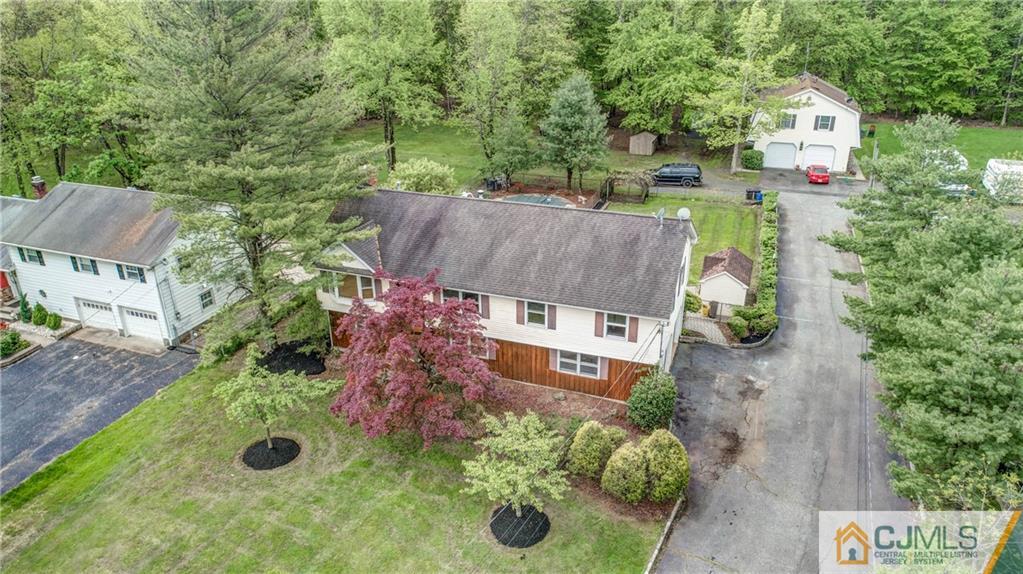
(532,364)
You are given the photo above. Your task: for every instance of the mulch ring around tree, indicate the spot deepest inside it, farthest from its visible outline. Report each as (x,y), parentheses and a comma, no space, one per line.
(753,338)
(286,357)
(519,531)
(258,456)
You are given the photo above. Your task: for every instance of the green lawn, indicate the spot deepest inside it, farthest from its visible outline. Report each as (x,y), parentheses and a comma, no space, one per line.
(977,144)
(720,224)
(158,490)
(448,144)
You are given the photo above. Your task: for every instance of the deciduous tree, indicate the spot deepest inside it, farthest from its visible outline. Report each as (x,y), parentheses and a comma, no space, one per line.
(743,83)
(425,176)
(258,395)
(514,148)
(519,464)
(383,53)
(545,52)
(488,68)
(575,130)
(658,67)
(416,364)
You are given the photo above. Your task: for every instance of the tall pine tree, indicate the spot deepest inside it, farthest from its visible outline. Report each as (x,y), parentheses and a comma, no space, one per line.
(575,130)
(241,134)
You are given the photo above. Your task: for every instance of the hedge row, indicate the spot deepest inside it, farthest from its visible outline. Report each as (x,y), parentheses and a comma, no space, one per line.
(762,318)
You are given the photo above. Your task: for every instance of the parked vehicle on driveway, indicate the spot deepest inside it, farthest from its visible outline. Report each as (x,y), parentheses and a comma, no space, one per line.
(818,174)
(684,174)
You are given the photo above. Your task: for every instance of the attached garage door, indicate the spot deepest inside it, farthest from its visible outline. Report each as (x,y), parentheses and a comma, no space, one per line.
(819,155)
(138,323)
(96,314)
(780,155)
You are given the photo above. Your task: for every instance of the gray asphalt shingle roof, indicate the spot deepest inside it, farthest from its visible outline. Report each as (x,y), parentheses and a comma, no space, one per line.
(731,261)
(101,222)
(11,209)
(602,260)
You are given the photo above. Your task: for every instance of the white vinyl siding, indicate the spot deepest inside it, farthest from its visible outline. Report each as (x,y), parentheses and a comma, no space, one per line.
(579,364)
(842,131)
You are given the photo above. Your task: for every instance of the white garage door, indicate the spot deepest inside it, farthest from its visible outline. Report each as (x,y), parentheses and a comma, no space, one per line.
(780,155)
(819,155)
(96,314)
(138,323)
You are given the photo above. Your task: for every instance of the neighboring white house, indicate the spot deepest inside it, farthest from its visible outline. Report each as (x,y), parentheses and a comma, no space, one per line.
(822,132)
(104,257)
(725,280)
(574,298)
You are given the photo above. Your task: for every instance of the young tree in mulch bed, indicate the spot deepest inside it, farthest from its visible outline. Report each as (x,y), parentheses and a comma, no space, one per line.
(518,467)
(259,395)
(292,357)
(415,365)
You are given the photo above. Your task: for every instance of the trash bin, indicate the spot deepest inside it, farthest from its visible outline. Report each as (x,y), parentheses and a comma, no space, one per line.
(758,197)
(751,193)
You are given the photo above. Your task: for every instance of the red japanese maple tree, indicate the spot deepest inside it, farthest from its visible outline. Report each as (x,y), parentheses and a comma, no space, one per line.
(414,366)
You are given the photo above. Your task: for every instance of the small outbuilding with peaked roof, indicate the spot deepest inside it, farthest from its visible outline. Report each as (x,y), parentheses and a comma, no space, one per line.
(725,280)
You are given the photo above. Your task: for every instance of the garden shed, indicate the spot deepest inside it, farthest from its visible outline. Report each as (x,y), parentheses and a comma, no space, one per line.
(725,280)
(643,143)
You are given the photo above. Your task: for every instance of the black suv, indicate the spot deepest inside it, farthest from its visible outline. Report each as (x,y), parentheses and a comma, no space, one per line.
(684,174)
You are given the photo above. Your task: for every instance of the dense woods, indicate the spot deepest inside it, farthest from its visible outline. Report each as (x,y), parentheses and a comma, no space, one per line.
(70,90)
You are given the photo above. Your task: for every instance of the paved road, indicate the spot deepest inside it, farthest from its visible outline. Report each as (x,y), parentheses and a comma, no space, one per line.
(774,179)
(777,433)
(66,392)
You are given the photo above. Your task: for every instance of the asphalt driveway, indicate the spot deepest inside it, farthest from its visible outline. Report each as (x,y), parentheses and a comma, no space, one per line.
(66,392)
(778,433)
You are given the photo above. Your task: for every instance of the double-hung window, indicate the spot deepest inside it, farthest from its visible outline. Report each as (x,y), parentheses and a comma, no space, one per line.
(31,256)
(206,298)
(461,295)
(131,273)
(616,326)
(579,364)
(536,314)
(788,121)
(824,123)
(83,265)
(352,286)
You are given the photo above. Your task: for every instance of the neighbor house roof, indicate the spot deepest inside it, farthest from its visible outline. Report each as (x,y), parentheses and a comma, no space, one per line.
(108,223)
(615,262)
(807,81)
(11,209)
(731,261)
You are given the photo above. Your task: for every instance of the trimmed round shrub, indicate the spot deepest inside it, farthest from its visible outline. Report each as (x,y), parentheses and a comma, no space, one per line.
(652,401)
(752,159)
(39,315)
(739,327)
(667,465)
(693,302)
(625,476)
(764,324)
(592,446)
(54,321)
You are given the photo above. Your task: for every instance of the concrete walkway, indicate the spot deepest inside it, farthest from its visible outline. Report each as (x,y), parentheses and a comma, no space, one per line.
(706,326)
(777,433)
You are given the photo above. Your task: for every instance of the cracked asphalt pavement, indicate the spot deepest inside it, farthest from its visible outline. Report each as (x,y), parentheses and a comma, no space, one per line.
(66,392)
(778,433)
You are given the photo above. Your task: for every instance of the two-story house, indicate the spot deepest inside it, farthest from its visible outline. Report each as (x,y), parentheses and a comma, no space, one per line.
(576,299)
(822,132)
(104,257)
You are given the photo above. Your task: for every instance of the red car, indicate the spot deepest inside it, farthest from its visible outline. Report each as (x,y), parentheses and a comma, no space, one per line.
(817,174)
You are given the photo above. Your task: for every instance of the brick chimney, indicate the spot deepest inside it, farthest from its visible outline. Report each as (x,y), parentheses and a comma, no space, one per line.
(39,185)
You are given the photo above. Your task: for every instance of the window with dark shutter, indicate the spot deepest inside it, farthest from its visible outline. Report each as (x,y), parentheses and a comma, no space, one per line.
(120,271)
(95,268)
(21,255)
(39,254)
(74,263)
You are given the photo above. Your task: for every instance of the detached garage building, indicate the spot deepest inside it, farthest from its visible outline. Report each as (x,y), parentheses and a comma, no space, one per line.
(822,132)
(103,257)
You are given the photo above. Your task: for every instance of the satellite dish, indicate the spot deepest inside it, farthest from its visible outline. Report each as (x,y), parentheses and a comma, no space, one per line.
(660,216)
(683,214)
